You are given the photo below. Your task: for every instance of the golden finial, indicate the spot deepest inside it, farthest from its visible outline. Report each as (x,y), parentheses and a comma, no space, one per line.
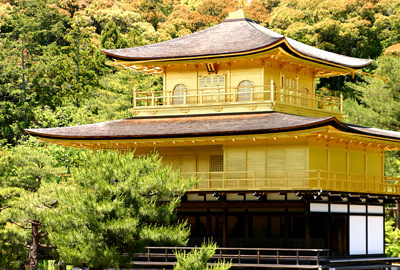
(243,3)
(239,14)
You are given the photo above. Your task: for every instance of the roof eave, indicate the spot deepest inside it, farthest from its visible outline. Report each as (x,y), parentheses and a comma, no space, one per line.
(276,44)
(329,121)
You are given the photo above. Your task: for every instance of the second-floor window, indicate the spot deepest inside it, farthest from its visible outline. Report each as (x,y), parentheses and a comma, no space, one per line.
(217,163)
(244,90)
(212,88)
(178,94)
(212,81)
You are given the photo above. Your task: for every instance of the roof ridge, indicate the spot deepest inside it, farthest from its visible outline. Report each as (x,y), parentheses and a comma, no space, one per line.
(262,29)
(167,41)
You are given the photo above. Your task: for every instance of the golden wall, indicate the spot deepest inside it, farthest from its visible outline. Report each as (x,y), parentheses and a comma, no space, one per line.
(282,164)
(256,71)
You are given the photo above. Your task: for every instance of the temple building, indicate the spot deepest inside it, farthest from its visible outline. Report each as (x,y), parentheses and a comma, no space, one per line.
(239,109)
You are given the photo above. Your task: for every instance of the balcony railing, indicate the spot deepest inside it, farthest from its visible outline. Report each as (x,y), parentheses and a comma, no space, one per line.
(243,257)
(237,95)
(295,180)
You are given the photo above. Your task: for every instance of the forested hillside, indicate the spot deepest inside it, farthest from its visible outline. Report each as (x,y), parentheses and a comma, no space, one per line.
(53,74)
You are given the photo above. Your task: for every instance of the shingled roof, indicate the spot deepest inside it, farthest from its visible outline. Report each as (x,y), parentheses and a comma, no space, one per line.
(203,125)
(233,36)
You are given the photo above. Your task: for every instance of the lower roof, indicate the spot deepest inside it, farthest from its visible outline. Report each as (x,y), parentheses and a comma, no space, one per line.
(204,125)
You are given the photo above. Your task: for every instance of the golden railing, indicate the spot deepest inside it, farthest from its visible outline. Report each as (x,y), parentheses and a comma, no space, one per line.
(296,180)
(239,95)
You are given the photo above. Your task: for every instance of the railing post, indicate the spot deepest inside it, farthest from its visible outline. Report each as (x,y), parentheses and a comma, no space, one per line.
(152,99)
(319,178)
(148,254)
(341,103)
(185,97)
(277,257)
(272,90)
(168,98)
(223,179)
(134,97)
(166,255)
(239,255)
(258,256)
(297,257)
(235,94)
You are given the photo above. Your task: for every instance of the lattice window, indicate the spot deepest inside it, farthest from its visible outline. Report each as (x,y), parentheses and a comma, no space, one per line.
(212,81)
(217,163)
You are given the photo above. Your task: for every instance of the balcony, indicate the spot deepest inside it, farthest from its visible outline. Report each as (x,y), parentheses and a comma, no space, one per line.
(295,180)
(237,99)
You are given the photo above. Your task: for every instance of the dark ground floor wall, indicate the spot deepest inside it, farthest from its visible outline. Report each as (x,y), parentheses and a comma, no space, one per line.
(340,227)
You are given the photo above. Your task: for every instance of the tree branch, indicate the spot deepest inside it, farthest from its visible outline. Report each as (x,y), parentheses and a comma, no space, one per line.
(151,194)
(46,246)
(5,207)
(33,222)
(15,223)
(51,205)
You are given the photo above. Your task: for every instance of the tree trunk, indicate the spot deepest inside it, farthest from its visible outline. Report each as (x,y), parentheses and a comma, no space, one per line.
(33,250)
(397,216)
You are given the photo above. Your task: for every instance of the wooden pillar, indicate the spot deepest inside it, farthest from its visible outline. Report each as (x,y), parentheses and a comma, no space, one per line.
(246,228)
(208,223)
(308,224)
(328,233)
(224,225)
(286,221)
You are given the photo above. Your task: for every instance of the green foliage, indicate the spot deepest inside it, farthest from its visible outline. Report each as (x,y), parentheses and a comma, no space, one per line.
(345,27)
(111,38)
(353,28)
(26,167)
(114,205)
(26,174)
(121,203)
(198,258)
(377,102)
(392,239)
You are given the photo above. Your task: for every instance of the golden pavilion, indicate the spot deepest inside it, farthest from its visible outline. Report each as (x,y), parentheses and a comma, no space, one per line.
(239,109)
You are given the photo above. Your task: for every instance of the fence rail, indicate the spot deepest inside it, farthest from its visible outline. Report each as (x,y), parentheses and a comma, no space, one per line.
(295,180)
(231,95)
(244,257)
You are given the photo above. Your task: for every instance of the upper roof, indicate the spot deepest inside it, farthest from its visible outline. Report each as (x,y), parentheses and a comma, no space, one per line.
(230,38)
(204,125)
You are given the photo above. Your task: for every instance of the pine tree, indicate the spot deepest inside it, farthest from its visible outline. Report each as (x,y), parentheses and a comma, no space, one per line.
(198,258)
(111,37)
(113,206)
(25,176)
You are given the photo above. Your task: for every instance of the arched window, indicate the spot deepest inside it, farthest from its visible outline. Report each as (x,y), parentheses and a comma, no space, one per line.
(244,90)
(178,94)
